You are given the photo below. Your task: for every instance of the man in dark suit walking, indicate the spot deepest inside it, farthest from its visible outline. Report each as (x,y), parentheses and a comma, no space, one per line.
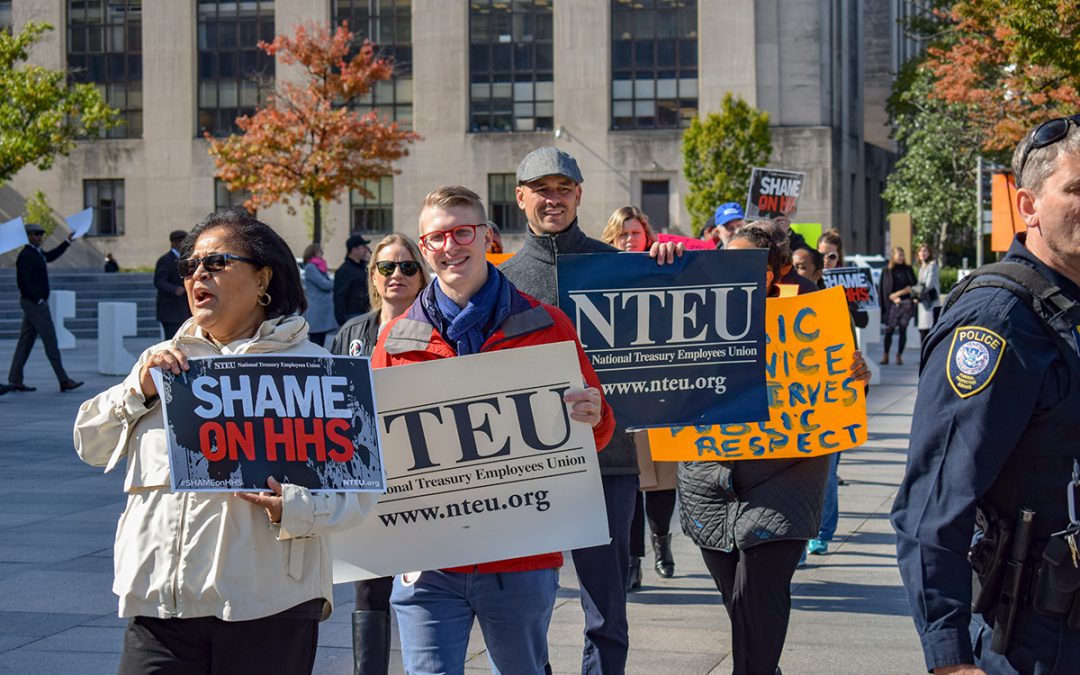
(172,303)
(32,276)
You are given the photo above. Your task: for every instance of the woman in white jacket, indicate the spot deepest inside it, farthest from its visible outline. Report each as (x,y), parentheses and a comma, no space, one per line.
(217,582)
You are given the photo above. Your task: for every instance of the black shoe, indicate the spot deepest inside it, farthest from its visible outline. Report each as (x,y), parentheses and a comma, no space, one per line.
(665,562)
(4,389)
(371,642)
(68,385)
(633,581)
(20,387)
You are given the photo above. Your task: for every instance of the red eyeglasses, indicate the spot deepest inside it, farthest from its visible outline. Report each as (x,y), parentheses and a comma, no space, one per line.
(463,235)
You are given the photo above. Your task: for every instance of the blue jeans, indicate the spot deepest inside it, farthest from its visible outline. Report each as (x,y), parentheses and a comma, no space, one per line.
(830,509)
(602,572)
(436,614)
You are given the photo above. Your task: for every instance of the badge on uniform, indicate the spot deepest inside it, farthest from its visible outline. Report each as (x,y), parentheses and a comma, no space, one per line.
(356,347)
(974,357)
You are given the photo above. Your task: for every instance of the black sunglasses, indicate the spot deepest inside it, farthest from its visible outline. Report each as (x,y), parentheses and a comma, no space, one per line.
(215,262)
(1045,134)
(408,267)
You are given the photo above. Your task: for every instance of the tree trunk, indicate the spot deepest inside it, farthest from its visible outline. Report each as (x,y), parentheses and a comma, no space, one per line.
(316,235)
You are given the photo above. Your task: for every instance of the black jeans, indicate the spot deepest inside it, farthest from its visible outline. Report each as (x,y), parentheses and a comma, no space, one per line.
(36,321)
(272,644)
(756,585)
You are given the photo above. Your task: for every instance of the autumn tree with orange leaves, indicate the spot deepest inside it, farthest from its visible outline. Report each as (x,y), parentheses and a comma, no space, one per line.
(306,141)
(1010,63)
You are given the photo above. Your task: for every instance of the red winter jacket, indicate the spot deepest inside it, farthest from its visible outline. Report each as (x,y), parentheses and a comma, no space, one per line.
(413,338)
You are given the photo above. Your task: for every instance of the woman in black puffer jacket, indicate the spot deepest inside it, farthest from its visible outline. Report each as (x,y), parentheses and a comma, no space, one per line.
(752,518)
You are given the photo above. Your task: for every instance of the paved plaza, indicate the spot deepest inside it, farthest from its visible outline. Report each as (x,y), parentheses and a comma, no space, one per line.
(58,614)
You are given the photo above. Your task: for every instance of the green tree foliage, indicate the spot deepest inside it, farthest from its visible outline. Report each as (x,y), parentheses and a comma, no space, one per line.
(41,114)
(718,154)
(38,211)
(934,179)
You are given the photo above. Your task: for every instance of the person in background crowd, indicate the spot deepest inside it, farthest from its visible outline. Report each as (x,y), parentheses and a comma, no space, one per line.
(752,518)
(111,266)
(997,410)
(897,305)
(830,246)
(172,303)
(350,281)
(32,278)
(628,229)
(809,264)
(549,192)
(727,220)
(396,275)
(319,289)
(217,582)
(469,309)
(929,286)
(496,245)
(795,240)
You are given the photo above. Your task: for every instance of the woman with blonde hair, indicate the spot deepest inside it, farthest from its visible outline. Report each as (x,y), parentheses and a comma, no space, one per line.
(628,230)
(396,275)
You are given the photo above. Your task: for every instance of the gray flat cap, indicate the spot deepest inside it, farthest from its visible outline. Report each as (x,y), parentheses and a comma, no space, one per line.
(31,228)
(548,161)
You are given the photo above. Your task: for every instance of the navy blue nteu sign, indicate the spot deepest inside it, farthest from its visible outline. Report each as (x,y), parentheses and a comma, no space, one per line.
(673,345)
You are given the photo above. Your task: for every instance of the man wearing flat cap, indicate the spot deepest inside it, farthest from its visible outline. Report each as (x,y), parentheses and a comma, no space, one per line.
(172,303)
(351,281)
(549,192)
(32,277)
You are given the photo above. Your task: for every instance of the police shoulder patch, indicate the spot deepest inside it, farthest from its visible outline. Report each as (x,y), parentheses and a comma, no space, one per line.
(974,357)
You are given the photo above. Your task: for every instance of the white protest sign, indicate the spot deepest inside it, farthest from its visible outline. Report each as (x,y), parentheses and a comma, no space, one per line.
(12,235)
(483,463)
(80,223)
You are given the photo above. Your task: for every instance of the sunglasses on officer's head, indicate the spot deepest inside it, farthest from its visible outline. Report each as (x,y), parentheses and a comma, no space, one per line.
(831,256)
(408,267)
(1045,134)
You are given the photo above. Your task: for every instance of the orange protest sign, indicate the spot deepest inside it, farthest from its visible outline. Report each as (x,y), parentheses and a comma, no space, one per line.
(815,407)
(498,258)
(1004,217)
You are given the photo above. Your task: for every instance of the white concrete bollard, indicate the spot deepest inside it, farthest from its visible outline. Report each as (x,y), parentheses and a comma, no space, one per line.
(116,320)
(62,306)
(872,333)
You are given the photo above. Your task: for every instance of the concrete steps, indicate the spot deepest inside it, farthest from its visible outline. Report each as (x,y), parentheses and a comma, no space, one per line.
(90,287)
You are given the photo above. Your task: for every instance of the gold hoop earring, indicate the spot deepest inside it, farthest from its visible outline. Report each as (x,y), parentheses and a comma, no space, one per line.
(264,299)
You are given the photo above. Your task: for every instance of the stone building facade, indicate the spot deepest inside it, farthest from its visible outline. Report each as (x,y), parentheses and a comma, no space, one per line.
(483,82)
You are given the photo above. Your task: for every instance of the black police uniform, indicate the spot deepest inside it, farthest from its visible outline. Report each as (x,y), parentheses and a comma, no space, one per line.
(997,418)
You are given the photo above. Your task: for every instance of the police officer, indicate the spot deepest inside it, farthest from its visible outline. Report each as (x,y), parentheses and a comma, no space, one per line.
(996,427)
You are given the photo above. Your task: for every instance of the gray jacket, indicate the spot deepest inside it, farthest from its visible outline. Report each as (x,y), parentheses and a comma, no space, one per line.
(532,270)
(319,289)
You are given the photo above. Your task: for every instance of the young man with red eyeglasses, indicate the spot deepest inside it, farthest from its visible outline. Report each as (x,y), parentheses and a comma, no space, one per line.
(471,308)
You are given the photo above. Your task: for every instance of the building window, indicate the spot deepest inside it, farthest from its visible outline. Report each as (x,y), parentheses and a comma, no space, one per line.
(388,24)
(510,65)
(655,200)
(502,203)
(654,64)
(104,47)
(107,199)
(7,22)
(374,215)
(225,200)
(234,74)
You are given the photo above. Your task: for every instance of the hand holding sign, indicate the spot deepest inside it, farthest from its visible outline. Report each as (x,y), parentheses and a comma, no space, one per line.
(271,502)
(170,359)
(585,405)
